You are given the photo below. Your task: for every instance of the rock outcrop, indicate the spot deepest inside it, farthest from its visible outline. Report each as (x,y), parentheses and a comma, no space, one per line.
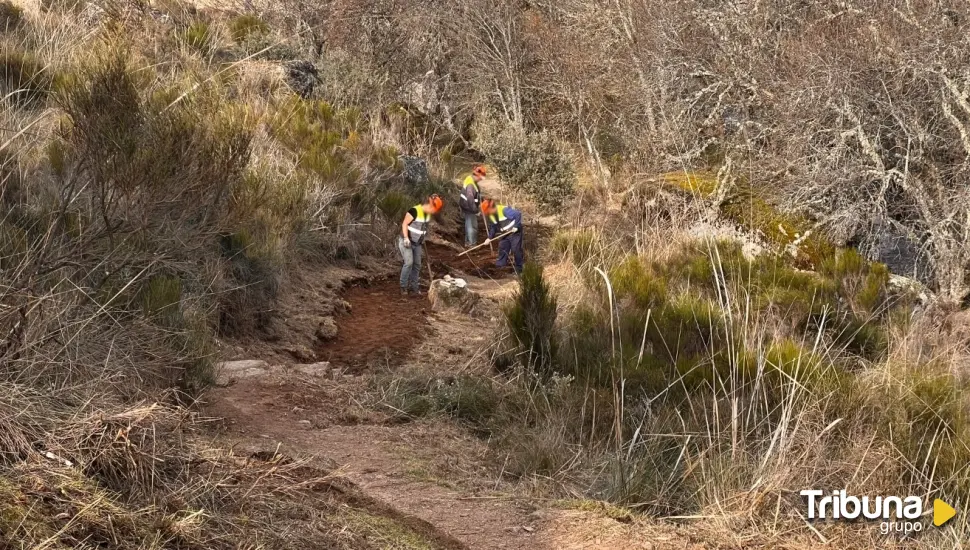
(302,76)
(228,372)
(452,293)
(415,170)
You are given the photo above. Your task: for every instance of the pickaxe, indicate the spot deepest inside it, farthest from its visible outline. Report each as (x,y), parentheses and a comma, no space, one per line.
(489,241)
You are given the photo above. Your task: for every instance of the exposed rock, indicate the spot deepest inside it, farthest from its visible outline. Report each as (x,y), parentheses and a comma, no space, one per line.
(342,306)
(451,293)
(912,286)
(314,369)
(326,329)
(302,76)
(424,94)
(751,250)
(888,243)
(415,170)
(228,372)
(301,353)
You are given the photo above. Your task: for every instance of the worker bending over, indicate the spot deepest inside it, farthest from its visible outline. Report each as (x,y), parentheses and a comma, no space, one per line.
(410,242)
(504,219)
(470,202)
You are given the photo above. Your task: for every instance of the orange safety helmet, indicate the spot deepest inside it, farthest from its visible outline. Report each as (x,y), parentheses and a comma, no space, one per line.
(436,203)
(487,204)
(479,171)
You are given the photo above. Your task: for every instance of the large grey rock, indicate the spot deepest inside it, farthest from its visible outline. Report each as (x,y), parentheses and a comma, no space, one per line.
(887,243)
(415,170)
(228,372)
(302,76)
(451,293)
(320,369)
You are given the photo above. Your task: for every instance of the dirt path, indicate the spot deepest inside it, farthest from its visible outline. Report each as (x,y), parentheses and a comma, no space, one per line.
(427,475)
(407,467)
(429,478)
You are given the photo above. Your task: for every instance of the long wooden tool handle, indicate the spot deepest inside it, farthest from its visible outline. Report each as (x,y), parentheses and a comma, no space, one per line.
(477,246)
(485,222)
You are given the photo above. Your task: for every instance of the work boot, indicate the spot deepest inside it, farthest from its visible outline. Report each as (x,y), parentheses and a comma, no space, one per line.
(404,292)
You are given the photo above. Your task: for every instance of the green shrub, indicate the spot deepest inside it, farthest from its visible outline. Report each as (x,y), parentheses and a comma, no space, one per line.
(931,428)
(198,36)
(467,398)
(161,299)
(859,337)
(165,181)
(323,140)
(749,209)
(394,204)
(531,318)
(11,15)
(24,78)
(862,283)
(633,281)
(583,247)
(198,348)
(683,320)
(247,26)
(534,163)
(257,274)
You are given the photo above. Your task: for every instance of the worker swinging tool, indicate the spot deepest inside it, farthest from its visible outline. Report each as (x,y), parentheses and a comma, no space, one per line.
(505,226)
(414,229)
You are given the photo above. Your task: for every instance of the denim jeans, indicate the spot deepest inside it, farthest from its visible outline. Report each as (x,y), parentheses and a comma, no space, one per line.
(471,228)
(412,264)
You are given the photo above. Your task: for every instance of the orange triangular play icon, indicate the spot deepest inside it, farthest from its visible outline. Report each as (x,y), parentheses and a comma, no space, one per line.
(942,512)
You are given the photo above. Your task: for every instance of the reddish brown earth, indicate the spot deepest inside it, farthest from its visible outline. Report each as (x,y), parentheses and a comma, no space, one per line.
(480,263)
(380,326)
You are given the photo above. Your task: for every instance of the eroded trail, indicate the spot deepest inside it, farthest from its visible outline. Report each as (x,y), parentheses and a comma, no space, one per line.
(429,470)
(379,325)
(427,482)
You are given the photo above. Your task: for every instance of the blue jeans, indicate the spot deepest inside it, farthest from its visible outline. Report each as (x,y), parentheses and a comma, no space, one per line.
(471,228)
(412,264)
(511,245)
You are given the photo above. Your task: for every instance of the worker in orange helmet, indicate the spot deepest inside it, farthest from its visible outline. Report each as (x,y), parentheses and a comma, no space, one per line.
(505,224)
(470,202)
(410,242)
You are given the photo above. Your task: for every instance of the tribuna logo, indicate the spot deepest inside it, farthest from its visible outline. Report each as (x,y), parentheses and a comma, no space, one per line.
(897,514)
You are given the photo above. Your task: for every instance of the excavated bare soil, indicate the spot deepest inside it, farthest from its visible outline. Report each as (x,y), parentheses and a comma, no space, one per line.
(380,326)
(444,260)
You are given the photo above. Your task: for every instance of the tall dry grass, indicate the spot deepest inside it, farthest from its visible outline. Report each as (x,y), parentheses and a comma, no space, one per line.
(154,195)
(689,394)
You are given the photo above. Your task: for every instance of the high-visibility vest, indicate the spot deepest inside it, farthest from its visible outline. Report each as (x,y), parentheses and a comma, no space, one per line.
(498,217)
(470,181)
(418,227)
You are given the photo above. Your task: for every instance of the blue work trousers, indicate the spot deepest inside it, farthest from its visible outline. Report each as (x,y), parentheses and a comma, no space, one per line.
(511,244)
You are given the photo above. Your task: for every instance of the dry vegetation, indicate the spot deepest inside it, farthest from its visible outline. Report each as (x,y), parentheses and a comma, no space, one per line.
(158,184)
(165,167)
